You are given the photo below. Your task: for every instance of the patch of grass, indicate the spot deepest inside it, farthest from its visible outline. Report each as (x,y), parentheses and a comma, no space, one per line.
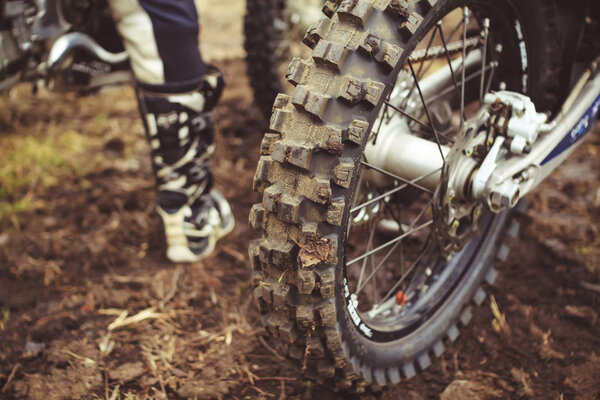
(4,318)
(48,138)
(39,160)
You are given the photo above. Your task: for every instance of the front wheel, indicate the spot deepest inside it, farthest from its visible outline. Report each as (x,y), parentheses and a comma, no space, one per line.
(372,249)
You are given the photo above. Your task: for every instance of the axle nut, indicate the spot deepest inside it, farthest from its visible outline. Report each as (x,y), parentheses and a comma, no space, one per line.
(506,195)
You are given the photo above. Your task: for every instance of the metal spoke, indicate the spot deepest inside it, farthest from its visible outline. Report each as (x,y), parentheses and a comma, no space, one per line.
(359,186)
(486,30)
(426,70)
(435,132)
(388,208)
(445,137)
(391,242)
(412,89)
(383,113)
(469,78)
(385,258)
(396,189)
(404,113)
(374,291)
(403,277)
(402,257)
(410,117)
(447,132)
(366,164)
(462,88)
(380,121)
(491,78)
(448,58)
(426,53)
(369,247)
(456,28)
(389,253)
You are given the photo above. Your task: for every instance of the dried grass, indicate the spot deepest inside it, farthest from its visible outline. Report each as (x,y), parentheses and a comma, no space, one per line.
(123,320)
(499,323)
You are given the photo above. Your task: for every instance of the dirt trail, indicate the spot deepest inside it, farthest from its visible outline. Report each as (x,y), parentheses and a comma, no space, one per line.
(90,307)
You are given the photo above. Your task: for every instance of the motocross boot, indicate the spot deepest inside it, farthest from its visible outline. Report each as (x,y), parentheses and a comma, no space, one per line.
(180,131)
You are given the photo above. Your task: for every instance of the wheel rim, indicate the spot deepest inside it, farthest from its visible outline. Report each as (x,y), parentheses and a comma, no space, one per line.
(394,283)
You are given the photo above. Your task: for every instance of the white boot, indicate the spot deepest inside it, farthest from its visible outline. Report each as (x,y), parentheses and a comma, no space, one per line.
(180,132)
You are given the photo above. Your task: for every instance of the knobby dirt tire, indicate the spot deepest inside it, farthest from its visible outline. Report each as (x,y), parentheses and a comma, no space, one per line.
(307,173)
(260,43)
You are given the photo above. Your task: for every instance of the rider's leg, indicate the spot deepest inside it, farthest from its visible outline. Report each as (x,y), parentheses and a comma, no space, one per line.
(177,93)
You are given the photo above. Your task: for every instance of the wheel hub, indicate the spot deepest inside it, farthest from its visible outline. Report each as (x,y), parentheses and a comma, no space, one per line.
(456,213)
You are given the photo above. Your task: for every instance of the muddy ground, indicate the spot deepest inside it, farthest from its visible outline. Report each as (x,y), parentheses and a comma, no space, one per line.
(90,307)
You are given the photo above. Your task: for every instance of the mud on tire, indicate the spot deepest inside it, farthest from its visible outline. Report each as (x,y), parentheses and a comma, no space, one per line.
(307,174)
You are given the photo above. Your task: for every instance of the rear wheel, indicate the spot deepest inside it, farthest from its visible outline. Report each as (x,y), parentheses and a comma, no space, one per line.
(361,272)
(273,31)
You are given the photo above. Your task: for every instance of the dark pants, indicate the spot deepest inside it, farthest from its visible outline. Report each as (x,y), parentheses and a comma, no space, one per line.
(161,37)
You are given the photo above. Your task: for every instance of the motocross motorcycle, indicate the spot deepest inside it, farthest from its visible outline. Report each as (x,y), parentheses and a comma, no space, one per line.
(69,45)
(391,172)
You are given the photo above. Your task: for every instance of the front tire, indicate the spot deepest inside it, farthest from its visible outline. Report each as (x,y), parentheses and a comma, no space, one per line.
(308,172)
